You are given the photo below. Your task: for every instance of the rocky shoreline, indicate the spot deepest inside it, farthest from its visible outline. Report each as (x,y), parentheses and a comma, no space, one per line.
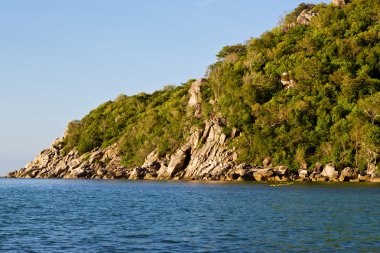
(203,157)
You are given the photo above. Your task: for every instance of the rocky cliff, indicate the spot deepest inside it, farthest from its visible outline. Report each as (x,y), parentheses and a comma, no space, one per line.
(204,156)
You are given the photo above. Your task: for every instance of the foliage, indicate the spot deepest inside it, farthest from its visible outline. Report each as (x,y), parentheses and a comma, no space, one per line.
(139,124)
(332,114)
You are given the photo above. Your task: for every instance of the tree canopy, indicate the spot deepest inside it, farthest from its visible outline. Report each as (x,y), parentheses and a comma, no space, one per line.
(330,113)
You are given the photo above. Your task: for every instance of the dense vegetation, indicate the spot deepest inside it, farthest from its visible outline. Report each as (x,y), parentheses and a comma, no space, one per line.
(140,124)
(332,114)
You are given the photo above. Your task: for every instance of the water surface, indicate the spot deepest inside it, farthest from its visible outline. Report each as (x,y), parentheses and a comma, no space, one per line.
(128,216)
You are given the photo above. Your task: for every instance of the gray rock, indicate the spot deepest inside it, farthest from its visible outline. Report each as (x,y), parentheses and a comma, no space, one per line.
(303,173)
(317,168)
(78,173)
(348,174)
(196,98)
(150,176)
(329,171)
(109,176)
(371,169)
(138,173)
(263,174)
(286,81)
(281,170)
(101,172)
(341,3)
(364,178)
(179,160)
(267,162)
(306,15)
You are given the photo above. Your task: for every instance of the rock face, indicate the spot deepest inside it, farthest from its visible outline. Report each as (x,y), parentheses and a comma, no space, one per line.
(306,15)
(196,98)
(203,156)
(179,160)
(53,163)
(210,160)
(341,3)
(286,81)
(303,18)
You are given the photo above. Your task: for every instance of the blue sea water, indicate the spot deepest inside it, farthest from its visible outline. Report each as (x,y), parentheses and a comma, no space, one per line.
(129,216)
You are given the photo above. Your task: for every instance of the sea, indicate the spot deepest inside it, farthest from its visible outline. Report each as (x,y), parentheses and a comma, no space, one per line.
(48,215)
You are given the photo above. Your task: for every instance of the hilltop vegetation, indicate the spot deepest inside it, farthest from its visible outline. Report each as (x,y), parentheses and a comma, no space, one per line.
(140,124)
(300,93)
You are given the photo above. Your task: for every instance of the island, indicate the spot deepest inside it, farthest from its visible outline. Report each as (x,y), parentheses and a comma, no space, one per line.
(299,103)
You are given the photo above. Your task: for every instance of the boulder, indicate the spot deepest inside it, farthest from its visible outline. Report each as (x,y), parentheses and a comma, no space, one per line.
(348,174)
(371,169)
(196,98)
(280,170)
(163,173)
(286,81)
(195,93)
(306,15)
(109,176)
(242,169)
(138,173)
(364,177)
(303,173)
(341,3)
(150,176)
(267,162)
(329,171)
(315,176)
(317,168)
(152,161)
(119,174)
(179,160)
(262,174)
(322,179)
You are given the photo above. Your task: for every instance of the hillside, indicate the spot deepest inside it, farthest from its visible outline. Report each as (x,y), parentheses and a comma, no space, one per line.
(305,95)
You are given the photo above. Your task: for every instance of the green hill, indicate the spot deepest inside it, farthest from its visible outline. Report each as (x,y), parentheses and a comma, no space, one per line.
(307,91)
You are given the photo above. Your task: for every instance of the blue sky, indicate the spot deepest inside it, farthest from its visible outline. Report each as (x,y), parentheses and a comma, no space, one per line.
(60,59)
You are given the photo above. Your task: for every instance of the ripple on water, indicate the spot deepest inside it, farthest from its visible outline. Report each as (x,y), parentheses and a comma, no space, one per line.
(123,216)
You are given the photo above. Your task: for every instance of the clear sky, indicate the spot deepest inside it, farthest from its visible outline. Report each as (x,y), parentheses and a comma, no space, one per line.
(60,59)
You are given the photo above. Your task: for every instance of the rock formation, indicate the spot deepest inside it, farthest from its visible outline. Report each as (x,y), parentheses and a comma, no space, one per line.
(306,15)
(203,156)
(286,81)
(341,3)
(196,98)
